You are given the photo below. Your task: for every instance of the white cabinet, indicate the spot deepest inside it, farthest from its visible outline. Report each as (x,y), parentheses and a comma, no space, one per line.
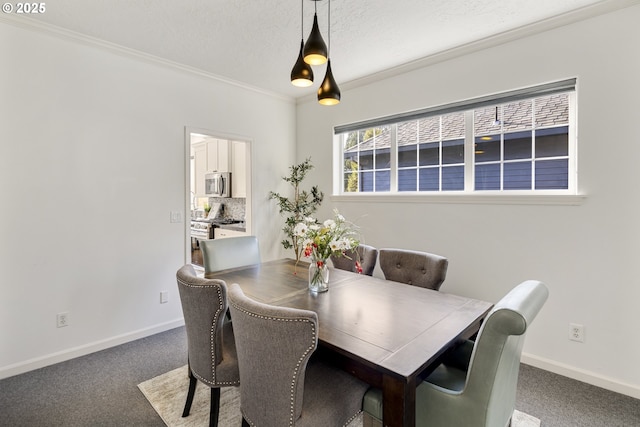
(221,233)
(199,152)
(238,169)
(209,156)
(218,155)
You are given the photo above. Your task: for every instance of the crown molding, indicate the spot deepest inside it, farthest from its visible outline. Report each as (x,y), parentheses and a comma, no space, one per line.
(63,33)
(534,28)
(538,27)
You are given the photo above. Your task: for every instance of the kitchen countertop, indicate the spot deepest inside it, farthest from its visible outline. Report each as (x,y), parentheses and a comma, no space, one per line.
(240,226)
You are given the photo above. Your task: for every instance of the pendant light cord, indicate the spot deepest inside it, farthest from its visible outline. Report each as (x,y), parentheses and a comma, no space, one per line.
(302,19)
(329,35)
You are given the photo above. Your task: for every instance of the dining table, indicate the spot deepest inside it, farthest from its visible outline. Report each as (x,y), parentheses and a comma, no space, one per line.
(388,334)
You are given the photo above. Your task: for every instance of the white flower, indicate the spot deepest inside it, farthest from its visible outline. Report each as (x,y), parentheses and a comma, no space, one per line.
(321,240)
(330,224)
(347,244)
(300,229)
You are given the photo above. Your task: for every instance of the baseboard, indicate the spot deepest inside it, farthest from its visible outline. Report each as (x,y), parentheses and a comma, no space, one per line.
(61,356)
(535,361)
(581,375)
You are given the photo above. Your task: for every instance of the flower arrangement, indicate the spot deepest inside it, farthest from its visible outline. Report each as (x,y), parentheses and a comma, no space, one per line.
(332,237)
(302,204)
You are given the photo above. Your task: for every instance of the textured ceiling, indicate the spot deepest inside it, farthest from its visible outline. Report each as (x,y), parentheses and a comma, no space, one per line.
(257,42)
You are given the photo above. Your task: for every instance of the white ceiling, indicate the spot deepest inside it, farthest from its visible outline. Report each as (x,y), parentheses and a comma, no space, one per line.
(257,42)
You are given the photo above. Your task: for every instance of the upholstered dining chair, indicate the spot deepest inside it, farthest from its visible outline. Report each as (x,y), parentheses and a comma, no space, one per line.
(281,386)
(414,267)
(365,253)
(231,252)
(210,341)
(475,386)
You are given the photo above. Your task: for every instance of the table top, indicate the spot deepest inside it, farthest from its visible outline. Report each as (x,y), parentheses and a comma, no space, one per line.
(396,328)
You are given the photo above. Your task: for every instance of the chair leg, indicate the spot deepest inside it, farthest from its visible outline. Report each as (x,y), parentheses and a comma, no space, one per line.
(193,381)
(215,407)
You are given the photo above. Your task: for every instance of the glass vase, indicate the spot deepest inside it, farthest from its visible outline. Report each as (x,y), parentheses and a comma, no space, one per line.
(318,276)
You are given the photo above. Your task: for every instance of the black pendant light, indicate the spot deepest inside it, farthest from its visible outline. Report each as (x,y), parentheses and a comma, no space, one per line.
(329,92)
(301,73)
(315,50)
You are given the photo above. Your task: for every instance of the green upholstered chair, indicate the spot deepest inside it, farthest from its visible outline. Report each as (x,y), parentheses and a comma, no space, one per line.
(413,267)
(231,252)
(281,386)
(476,385)
(367,255)
(210,341)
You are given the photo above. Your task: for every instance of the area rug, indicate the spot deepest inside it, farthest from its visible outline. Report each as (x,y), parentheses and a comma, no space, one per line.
(168,392)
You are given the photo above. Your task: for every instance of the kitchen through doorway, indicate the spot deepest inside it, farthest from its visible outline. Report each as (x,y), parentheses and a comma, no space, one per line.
(218,188)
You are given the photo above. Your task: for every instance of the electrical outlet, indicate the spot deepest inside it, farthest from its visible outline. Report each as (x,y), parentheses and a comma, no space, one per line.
(576,332)
(164,297)
(62,319)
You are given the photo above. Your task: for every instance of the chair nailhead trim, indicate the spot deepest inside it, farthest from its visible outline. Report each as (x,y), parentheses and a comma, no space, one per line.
(297,368)
(351,419)
(212,336)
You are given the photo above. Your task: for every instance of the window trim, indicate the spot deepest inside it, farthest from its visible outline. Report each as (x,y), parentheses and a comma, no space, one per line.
(486,198)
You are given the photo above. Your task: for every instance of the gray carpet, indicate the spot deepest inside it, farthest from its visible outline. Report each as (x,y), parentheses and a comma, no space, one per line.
(167,394)
(101,389)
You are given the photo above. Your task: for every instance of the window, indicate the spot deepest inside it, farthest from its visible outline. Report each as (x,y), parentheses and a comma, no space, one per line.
(522,141)
(367,157)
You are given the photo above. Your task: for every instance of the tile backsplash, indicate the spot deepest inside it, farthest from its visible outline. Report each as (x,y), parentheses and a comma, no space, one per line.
(234,208)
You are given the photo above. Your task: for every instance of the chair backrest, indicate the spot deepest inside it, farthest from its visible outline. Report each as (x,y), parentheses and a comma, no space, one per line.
(365,253)
(231,252)
(274,345)
(492,376)
(413,267)
(212,355)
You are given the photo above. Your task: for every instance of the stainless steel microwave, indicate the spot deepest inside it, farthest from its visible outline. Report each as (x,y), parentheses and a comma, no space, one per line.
(218,184)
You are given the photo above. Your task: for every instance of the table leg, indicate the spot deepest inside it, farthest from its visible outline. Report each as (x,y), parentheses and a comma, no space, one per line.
(399,402)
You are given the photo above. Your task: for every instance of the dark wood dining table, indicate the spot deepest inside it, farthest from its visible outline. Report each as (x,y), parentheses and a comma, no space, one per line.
(389,334)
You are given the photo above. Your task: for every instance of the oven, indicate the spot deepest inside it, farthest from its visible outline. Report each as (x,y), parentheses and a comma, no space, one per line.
(201,230)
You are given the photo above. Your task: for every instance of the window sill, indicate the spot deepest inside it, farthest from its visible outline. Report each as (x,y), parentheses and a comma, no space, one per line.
(474,199)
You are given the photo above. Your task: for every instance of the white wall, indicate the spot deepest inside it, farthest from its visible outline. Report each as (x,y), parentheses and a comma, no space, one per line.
(92,162)
(587,254)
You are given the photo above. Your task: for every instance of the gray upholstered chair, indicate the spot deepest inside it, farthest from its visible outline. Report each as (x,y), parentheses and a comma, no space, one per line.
(365,253)
(413,267)
(280,385)
(231,252)
(476,384)
(210,340)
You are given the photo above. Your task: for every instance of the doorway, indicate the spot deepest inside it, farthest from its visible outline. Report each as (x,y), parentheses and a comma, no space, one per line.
(208,216)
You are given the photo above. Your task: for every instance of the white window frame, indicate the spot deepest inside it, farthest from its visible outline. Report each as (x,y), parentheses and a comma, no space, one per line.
(567,196)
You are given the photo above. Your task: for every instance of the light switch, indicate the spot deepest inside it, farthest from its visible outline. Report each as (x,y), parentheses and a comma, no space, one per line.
(176,216)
